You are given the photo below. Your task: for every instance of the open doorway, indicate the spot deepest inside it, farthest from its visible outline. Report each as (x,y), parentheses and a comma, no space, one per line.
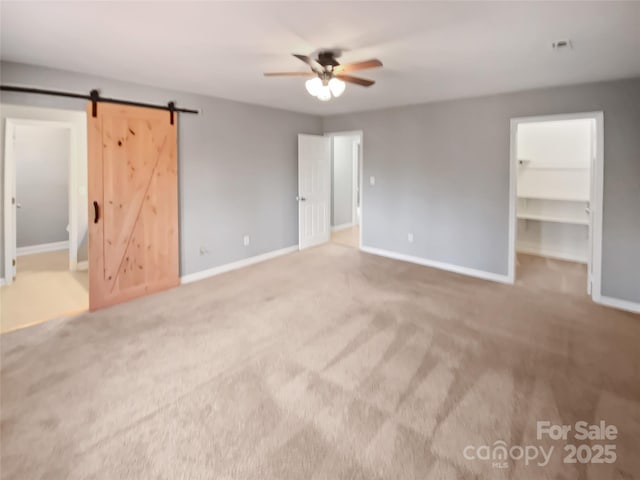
(45,272)
(346,205)
(556,201)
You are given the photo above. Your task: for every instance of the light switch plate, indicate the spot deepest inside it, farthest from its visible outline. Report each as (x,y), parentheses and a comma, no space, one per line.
(372,180)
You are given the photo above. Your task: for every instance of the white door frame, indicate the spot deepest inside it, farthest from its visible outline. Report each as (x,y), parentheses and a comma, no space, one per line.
(354,133)
(76,122)
(596,210)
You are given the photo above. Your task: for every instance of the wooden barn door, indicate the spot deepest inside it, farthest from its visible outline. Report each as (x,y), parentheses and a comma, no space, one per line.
(133,203)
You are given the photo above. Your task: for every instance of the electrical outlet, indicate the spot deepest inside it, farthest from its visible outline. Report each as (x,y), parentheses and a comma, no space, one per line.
(246,240)
(372,180)
(410,237)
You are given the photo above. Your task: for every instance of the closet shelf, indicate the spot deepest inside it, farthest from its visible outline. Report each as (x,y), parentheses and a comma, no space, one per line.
(552,197)
(548,218)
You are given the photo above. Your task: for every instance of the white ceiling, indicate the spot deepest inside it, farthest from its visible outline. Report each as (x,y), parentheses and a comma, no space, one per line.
(431,50)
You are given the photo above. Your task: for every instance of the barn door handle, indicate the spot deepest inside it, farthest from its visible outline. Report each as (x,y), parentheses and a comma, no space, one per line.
(96,212)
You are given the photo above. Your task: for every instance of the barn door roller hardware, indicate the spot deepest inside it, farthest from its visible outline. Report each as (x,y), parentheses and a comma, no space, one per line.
(95,98)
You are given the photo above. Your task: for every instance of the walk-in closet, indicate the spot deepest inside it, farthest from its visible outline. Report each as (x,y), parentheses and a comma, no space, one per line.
(554,185)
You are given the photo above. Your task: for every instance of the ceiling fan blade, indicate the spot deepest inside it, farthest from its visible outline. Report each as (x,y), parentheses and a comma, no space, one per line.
(315,66)
(357,80)
(352,67)
(289,74)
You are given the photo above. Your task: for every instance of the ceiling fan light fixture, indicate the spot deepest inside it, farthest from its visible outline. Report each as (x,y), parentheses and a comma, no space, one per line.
(313,86)
(324,94)
(337,86)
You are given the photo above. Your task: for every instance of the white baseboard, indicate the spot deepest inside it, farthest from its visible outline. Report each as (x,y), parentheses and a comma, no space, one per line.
(1,281)
(194,277)
(542,252)
(618,303)
(495,277)
(343,226)
(45,247)
(82,266)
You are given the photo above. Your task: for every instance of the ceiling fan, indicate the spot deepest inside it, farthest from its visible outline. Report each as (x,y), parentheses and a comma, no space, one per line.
(329,76)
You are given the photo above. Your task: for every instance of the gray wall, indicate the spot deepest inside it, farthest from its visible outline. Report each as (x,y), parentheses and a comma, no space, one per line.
(237,163)
(42,184)
(442,173)
(342,181)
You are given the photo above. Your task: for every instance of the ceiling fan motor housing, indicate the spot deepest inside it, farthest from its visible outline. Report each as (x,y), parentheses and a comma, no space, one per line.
(327,58)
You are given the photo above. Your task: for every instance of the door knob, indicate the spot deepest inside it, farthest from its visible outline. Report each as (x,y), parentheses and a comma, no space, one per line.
(18,205)
(301,199)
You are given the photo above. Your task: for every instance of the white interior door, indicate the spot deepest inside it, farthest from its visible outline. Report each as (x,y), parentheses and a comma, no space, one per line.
(356,184)
(314,185)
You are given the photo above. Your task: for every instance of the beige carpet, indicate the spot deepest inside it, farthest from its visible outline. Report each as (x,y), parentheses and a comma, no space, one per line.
(349,237)
(43,289)
(541,273)
(324,364)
